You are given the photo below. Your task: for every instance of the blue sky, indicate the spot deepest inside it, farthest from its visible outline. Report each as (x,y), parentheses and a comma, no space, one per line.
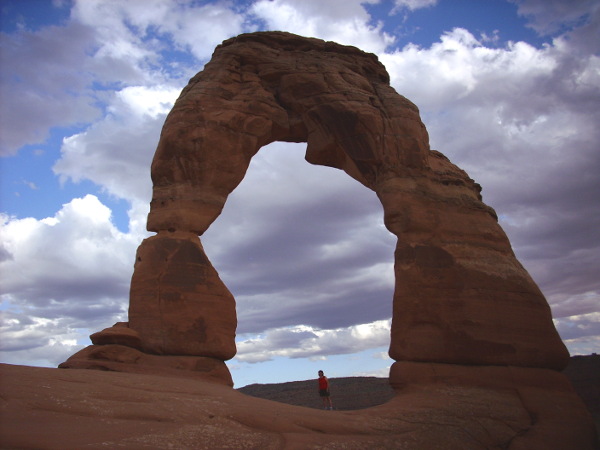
(509,91)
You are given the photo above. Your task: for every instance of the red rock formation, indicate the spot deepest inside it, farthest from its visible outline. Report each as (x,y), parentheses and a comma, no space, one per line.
(461,297)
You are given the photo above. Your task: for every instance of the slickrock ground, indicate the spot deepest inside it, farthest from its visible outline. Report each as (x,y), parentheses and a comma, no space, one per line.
(584,374)
(347,393)
(353,393)
(44,408)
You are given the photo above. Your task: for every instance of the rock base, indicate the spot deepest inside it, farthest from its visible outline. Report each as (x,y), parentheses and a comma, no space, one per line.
(531,408)
(119,358)
(92,409)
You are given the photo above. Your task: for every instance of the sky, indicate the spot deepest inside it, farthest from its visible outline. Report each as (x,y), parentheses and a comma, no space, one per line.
(508,90)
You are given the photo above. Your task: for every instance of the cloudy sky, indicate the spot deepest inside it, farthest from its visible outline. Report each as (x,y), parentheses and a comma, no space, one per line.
(509,91)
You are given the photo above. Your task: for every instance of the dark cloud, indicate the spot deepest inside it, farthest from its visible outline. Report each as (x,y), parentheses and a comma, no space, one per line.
(314,254)
(83,313)
(306,342)
(354,305)
(551,16)
(69,269)
(50,92)
(580,328)
(5,255)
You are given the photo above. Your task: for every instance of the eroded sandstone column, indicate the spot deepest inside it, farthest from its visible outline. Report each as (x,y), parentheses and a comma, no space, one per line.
(178,303)
(461,296)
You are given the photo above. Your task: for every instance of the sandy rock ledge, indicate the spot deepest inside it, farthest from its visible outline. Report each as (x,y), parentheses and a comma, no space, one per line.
(46,408)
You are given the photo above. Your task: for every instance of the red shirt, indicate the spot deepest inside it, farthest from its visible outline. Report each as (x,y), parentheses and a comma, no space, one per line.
(323,383)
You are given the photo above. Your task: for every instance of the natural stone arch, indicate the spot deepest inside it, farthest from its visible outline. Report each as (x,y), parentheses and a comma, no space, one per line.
(461,296)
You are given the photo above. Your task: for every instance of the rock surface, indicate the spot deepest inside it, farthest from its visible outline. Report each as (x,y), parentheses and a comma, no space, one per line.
(347,394)
(179,304)
(45,408)
(352,393)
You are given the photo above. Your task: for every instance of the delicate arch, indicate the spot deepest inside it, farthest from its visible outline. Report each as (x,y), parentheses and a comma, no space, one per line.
(461,296)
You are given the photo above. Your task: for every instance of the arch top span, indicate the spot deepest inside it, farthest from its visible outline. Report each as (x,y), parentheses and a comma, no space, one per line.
(274,86)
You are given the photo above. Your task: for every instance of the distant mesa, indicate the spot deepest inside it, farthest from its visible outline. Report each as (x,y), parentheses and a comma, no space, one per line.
(465,311)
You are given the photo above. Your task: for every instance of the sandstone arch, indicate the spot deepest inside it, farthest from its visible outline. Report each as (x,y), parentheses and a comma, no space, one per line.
(461,297)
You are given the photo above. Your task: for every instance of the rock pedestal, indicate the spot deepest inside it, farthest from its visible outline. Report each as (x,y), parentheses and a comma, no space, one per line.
(461,297)
(182,317)
(178,303)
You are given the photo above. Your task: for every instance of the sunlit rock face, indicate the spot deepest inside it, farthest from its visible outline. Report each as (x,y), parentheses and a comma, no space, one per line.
(461,297)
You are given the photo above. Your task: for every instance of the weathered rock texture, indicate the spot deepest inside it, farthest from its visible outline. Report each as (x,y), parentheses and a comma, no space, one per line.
(461,297)
(45,408)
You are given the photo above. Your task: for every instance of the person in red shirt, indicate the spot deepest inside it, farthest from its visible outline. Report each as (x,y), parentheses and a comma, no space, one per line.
(324,391)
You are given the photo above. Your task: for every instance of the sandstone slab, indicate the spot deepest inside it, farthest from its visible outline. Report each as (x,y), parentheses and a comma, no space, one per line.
(121,358)
(58,409)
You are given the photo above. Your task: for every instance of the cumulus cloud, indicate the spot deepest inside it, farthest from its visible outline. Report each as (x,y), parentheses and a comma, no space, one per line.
(75,266)
(550,16)
(131,29)
(52,92)
(105,44)
(304,342)
(63,277)
(413,5)
(36,340)
(342,21)
(116,152)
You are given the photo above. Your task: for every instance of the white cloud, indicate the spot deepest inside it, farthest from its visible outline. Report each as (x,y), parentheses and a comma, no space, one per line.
(581,333)
(106,43)
(413,5)
(459,68)
(35,340)
(140,101)
(116,152)
(134,29)
(119,52)
(307,342)
(74,265)
(550,16)
(63,278)
(201,29)
(342,21)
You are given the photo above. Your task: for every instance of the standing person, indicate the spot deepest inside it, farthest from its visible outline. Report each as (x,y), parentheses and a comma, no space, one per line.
(324,391)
